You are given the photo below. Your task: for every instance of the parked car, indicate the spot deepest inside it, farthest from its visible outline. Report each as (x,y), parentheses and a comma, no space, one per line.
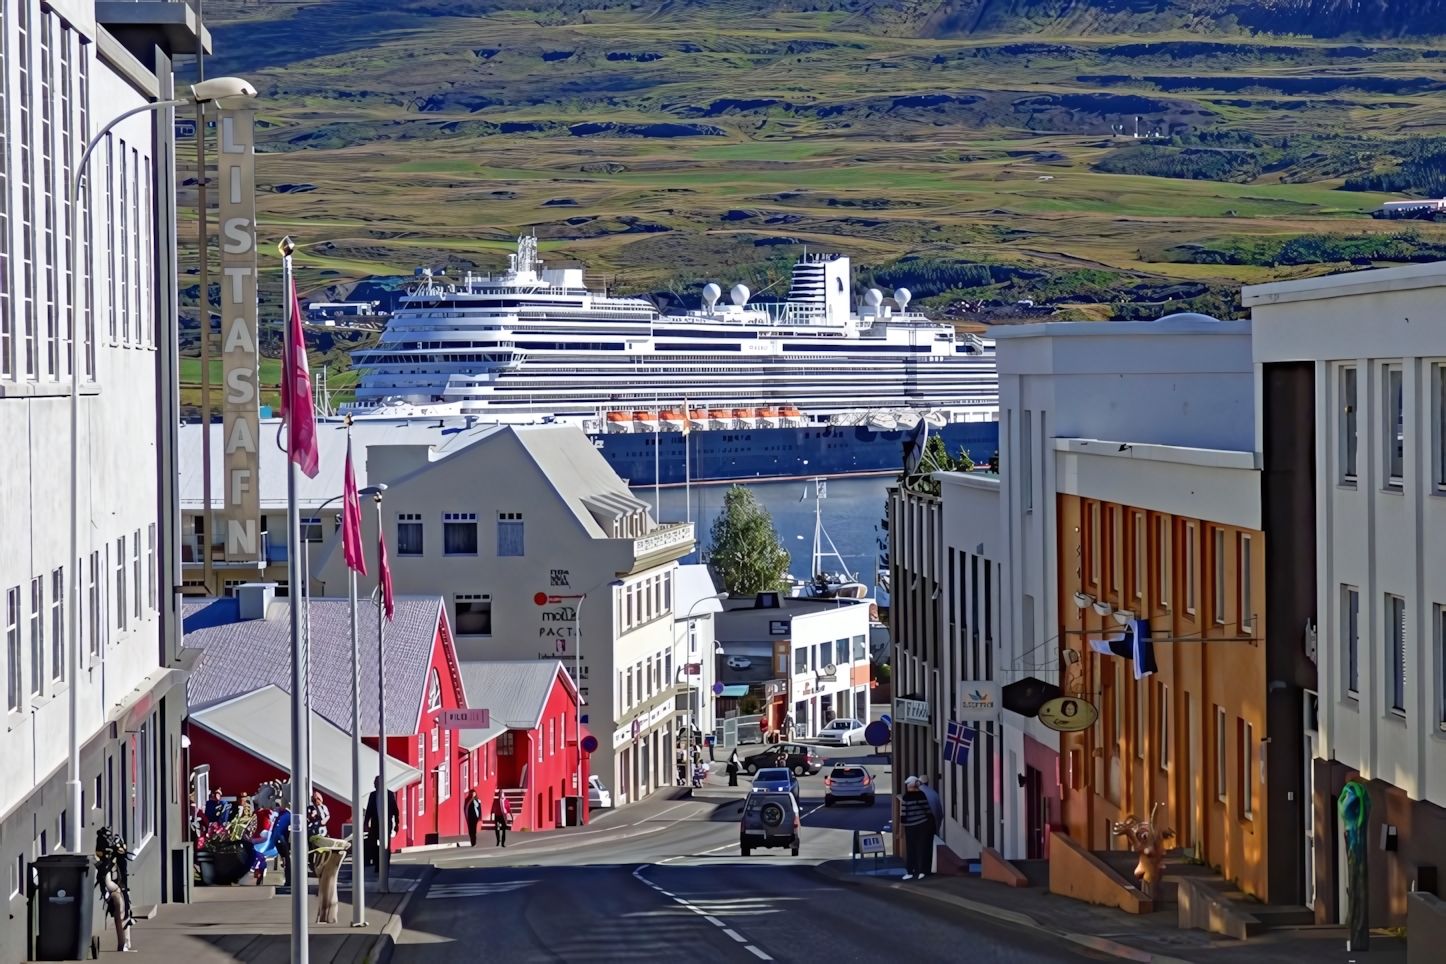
(797,757)
(769,820)
(598,796)
(848,782)
(739,662)
(775,779)
(842,732)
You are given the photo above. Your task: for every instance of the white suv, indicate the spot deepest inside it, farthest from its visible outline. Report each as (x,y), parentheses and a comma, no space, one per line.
(842,732)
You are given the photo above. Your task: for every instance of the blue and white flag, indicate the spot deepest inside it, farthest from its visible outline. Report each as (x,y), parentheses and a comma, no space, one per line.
(957,742)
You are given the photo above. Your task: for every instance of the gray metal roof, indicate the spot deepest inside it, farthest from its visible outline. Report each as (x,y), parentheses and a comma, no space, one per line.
(515,691)
(259,723)
(244,656)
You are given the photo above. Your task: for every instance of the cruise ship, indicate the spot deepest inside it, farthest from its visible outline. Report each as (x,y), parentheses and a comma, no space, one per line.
(806,386)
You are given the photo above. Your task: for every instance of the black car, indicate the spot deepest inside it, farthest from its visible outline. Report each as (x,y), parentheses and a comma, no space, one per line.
(799,758)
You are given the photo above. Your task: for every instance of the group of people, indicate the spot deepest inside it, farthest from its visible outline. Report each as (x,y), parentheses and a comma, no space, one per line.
(501,816)
(267,828)
(692,771)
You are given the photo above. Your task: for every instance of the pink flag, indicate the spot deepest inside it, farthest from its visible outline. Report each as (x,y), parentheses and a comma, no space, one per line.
(385,575)
(296,396)
(351,534)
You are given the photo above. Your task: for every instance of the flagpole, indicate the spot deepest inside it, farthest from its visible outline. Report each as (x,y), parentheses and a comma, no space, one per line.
(358,855)
(299,912)
(384,837)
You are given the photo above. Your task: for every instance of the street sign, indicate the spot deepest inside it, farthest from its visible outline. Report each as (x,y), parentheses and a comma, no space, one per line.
(589,744)
(1068,714)
(877,733)
(912,711)
(717,689)
(543,599)
(871,843)
(466,719)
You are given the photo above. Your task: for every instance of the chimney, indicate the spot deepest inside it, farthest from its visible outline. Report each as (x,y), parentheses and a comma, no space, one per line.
(254,598)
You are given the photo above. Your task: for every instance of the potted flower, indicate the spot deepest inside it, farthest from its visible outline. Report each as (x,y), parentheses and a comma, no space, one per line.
(224,851)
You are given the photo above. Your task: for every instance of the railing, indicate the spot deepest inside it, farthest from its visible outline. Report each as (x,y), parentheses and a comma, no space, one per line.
(663,537)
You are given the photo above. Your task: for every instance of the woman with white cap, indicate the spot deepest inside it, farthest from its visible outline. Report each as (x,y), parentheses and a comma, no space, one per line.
(917,819)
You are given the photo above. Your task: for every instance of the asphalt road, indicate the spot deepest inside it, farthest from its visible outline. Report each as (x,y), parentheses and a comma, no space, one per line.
(663,880)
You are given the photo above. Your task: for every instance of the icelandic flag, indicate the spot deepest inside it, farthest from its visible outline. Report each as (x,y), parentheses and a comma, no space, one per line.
(957,742)
(1133,644)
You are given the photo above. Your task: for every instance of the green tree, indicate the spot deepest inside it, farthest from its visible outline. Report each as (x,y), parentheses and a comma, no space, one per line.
(744,548)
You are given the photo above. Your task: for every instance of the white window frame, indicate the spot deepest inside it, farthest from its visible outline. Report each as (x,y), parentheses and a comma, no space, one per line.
(1393,417)
(1396,653)
(1351,640)
(1348,421)
(1222,760)
(1163,533)
(1245,574)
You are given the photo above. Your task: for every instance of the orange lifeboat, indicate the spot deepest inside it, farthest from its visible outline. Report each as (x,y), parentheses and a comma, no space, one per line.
(788,411)
(672,421)
(644,422)
(619,421)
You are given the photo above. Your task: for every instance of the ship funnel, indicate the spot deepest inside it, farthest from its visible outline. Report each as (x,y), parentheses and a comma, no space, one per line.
(711,294)
(902,296)
(873,297)
(740,294)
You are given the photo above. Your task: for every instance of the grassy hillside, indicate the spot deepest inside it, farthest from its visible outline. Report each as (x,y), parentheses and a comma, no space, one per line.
(1070,151)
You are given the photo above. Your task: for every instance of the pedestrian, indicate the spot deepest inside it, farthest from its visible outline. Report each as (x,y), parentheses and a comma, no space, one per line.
(318,815)
(788,727)
(281,836)
(936,805)
(682,763)
(217,810)
(472,809)
(734,765)
(917,819)
(501,818)
(370,825)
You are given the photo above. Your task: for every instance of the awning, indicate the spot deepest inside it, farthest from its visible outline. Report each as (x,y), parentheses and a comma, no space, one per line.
(735,691)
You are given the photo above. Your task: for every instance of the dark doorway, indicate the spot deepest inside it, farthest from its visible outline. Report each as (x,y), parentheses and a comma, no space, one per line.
(1035,817)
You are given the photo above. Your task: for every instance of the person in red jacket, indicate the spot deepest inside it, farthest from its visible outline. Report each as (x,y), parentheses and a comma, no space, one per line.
(501,818)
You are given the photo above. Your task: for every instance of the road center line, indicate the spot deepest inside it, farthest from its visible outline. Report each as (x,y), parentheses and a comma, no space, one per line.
(714,921)
(757,953)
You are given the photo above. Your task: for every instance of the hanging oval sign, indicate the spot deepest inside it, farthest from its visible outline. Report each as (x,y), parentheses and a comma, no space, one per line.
(1068,714)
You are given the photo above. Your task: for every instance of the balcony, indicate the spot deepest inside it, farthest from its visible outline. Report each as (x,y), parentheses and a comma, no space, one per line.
(667,542)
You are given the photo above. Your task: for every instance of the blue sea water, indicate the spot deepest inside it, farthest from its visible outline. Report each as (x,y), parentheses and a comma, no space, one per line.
(852,512)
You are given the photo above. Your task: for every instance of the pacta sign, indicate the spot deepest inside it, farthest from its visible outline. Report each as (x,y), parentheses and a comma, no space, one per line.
(466,719)
(241,416)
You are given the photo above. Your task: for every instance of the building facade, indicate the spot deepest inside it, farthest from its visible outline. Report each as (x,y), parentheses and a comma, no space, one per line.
(1350,369)
(541,552)
(67,69)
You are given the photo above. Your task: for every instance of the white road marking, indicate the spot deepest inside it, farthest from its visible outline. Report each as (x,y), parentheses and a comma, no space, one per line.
(476,889)
(735,935)
(714,921)
(757,953)
(638,874)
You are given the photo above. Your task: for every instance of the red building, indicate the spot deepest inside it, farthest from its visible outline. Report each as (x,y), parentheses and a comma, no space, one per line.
(238,694)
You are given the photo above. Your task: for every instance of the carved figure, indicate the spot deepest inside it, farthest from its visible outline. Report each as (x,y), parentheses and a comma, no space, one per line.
(1147,840)
(112,879)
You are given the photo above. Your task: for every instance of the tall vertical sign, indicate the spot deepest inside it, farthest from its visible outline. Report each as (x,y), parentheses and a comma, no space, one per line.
(236,165)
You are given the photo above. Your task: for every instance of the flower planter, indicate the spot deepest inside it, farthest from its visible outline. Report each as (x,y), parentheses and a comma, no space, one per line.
(222,868)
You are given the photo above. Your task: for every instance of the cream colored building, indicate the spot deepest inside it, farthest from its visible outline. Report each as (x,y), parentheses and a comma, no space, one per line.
(513,526)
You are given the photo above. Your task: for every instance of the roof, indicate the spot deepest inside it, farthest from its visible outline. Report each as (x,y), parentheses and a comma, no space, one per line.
(735,690)
(241,657)
(1376,281)
(259,723)
(694,592)
(579,474)
(514,691)
(1181,323)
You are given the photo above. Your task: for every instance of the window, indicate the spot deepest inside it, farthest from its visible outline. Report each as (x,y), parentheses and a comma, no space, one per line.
(509,533)
(434,698)
(1162,555)
(310,530)
(1245,751)
(1220,756)
(1441,666)
(151,597)
(120,583)
(1396,633)
(1163,697)
(7,317)
(1348,404)
(1246,600)
(24,97)
(861,651)
(12,648)
(1395,408)
(668,591)
(1218,603)
(94,602)
(841,652)
(459,533)
(37,633)
(1189,561)
(648,675)
(57,624)
(1142,715)
(1094,525)
(136,572)
(474,614)
(144,773)
(1116,552)
(800,660)
(630,688)
(1440,402)
(1137,567)
(409,534)
(1351,639)
(1026,461)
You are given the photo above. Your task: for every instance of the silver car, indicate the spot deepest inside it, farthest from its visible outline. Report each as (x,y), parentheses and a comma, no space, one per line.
(848,782)
(842,732)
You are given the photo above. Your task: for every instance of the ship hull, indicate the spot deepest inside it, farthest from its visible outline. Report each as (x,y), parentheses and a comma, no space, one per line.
(777,453)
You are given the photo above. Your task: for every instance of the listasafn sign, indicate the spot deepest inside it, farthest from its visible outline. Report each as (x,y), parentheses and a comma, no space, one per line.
(241,414)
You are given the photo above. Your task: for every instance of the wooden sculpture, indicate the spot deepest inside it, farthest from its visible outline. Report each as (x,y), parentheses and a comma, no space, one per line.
(1147,840)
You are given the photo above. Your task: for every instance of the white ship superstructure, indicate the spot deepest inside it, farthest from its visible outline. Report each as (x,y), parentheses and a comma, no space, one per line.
(536,342)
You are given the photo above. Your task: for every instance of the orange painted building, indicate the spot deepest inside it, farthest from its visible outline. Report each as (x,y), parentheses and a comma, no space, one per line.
(1171,536)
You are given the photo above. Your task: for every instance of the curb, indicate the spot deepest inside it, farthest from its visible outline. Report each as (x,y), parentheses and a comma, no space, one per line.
(386,942)
(1102,944)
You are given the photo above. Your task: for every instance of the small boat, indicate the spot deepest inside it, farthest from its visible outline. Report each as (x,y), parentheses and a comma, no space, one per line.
(698,419)
(790,417)
(906,419)
(743,418)
(720,419)
(767,417)
(619,422)
(671,421)
(645,422)
(882,421)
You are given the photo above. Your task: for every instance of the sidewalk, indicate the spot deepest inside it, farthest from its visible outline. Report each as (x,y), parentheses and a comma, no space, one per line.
(1149,938)
(248,923)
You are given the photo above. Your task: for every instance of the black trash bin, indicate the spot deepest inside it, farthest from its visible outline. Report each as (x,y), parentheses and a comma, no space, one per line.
(62,904)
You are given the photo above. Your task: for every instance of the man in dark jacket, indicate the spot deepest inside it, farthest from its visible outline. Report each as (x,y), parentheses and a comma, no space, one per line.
(472,810)
(217,810)
(369,825)
(917,819)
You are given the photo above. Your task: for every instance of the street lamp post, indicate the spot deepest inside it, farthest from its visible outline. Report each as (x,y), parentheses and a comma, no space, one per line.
(694,723)
(220,89)
(577,678)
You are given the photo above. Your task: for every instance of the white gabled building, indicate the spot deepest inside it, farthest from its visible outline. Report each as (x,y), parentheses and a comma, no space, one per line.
(67,68)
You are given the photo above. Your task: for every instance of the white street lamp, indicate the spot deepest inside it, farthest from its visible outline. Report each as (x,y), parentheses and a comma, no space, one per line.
(223,91)
(694,724)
